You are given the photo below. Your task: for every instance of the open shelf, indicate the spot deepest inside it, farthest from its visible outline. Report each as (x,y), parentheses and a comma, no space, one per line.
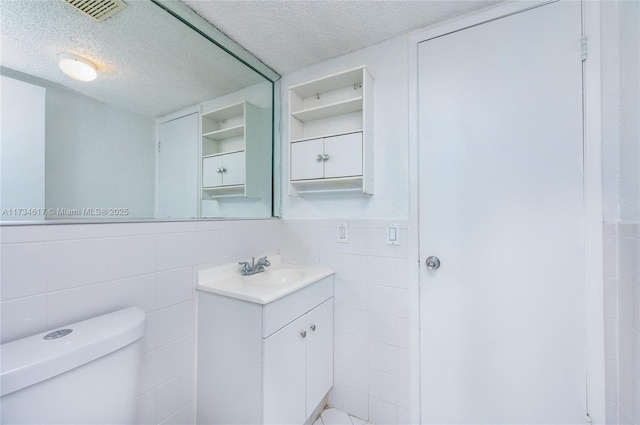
(330,110)
(225,133)
(221,192)
(325,186)
(222,153)
(326,135)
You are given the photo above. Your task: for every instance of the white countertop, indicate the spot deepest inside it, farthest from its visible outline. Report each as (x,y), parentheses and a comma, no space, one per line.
(276,281)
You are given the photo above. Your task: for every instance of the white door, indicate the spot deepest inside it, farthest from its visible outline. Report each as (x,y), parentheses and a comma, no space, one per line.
(178,168)
(343,156)
(501,205)
(319,353)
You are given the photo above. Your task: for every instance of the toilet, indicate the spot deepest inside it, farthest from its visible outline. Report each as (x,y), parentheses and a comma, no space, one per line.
(83,373)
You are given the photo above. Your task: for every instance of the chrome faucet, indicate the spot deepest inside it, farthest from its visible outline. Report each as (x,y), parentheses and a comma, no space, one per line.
(255,267)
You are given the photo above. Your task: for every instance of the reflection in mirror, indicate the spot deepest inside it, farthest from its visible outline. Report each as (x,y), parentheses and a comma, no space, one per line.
(173,127)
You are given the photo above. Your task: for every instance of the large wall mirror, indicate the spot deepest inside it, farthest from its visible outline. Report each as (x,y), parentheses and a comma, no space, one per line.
(177,124)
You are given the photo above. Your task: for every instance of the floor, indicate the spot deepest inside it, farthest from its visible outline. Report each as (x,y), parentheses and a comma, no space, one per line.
(331,416)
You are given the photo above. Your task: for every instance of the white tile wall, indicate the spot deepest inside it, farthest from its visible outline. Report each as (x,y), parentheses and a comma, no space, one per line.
(56,274)
(622,322)
(371,349)
(52,275)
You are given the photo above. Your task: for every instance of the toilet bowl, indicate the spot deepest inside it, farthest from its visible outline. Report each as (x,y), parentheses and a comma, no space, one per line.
(83,373)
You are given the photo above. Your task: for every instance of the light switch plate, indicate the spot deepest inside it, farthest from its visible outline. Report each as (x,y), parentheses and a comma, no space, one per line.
(393,234)
(343,232)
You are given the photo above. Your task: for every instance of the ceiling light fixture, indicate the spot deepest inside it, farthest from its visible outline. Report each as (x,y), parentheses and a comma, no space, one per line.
(77,68)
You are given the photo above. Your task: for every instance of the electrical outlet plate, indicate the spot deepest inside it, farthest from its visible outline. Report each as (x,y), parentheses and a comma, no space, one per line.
(343,232)
(393,234)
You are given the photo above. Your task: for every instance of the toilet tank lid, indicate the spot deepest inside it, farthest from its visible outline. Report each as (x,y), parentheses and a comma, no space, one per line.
(33,359)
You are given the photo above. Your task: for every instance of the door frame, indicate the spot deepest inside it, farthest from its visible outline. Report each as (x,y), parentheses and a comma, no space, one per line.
(592,162)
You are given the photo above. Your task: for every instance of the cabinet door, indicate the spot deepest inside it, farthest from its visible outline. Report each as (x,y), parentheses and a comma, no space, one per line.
(210,175)
(319,353)
(343,155)
(304,160)
(284,374)
(234,166)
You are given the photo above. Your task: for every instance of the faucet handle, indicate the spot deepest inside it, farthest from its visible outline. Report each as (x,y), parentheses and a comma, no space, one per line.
(264,261)
(246,267)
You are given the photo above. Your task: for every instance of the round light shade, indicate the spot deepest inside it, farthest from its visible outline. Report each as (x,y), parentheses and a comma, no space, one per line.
(77,68)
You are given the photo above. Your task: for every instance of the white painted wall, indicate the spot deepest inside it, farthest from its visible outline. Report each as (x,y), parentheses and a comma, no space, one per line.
(388,63)
(621,110)
(22,149)
(630,111)
(98,156)
(610,34)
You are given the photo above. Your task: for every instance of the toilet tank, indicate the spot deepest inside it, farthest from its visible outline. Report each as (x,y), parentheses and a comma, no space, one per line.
(82,373)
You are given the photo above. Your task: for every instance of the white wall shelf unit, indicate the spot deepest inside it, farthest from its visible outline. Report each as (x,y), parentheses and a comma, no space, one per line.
(331,134)
(230,152)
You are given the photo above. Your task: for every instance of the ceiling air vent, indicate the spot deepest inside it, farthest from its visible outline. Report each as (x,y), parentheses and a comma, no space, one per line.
(99,10)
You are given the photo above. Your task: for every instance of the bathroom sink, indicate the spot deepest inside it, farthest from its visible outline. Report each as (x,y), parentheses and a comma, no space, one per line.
(274,277)
(276,281)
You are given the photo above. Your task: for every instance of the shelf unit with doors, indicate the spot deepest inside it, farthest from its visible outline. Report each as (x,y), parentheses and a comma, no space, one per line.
(230,151)
(331,134)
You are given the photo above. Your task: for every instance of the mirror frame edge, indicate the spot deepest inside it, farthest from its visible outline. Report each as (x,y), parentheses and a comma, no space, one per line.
(189,17)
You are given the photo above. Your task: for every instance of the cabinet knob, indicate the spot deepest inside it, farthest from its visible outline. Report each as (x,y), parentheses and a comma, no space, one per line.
(303,334)
(224,170)
(313,327)
(219,170)
(319,157)
(325,157)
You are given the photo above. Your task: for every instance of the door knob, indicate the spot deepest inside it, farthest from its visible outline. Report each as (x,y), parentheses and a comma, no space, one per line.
(433,263)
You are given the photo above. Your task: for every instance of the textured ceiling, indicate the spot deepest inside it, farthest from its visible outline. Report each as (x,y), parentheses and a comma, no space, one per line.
(290,34)
(148,61)
(151,63)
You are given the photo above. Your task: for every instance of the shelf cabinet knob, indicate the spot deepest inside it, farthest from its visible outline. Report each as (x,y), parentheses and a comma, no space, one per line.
(319,157)
(303,334)
(313,327)
(325,157)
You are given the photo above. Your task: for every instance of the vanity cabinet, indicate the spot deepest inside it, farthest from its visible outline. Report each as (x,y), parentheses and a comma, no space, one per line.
(231,147)
(264,363)
(331,134)
(298,366)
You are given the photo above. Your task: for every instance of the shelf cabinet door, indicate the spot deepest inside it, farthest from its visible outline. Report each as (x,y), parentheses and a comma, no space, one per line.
(304,159)
(319,353)
(234,165)
(343,155)
(210,175)
(284,374)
